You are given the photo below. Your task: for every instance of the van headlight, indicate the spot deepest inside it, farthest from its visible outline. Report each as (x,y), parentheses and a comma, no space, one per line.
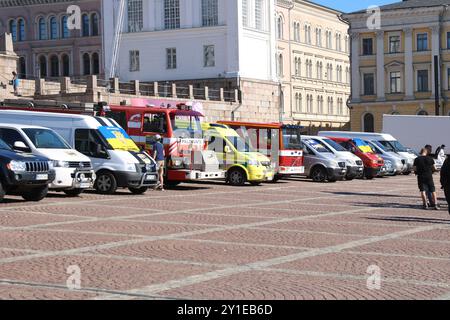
(131,167)
(253,162)
(51,165)
(17,166)
(60,164)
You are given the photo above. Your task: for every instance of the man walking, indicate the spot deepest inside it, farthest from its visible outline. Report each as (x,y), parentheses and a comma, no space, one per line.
(159,156)
(445,180)
(424,167)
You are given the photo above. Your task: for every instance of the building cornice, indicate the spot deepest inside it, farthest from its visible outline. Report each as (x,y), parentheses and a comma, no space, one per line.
(23,3)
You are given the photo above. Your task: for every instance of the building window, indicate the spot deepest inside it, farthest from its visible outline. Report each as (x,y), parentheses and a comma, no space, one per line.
(422,42)
(210,13)
(53,28)
(209,56)
(86,64)
(85,25)
(422,80)
(21,31)
(369,123)
(368,47)
(134,61)
(135,16)
(259,14)
(280,65)
(54,66)
(395,82)
(64,28)
(448,40)
(369,84)
(94,24)
(65,66)
(42,29)
(42,67)
(280,27)
(95,63)
(172,14)
(394,44)
(13,29)
(245,13)
(448,78)
(171,54)
(22,68)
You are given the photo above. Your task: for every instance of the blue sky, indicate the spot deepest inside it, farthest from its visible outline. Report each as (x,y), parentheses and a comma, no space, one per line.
(353,5)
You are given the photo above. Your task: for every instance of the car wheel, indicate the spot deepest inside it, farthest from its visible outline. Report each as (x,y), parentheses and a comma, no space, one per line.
(73,192)
(236,177)
(106,183)
(138,190)
(319,174)
(36,194)
(407,173)
(2,192)
(276,178)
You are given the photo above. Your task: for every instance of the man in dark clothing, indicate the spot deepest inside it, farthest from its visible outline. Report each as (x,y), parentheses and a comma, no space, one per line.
(159,156)
(445,180)
(424,168)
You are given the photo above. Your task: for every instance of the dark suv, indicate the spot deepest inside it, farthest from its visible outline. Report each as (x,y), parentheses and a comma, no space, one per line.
(24,174)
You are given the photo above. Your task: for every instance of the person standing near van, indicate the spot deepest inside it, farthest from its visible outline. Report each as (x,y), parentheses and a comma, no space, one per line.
(445,180)
(159,156)
(424,167)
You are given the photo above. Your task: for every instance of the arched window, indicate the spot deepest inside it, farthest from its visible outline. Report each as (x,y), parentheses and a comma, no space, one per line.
(65,33)
(13,29)
(95,63)
(280,27)
(53,28)
(21,33)
(22,68)
(369,123)
(43,67)
(54,66)
(94,24)
(280,65)
(65,66)
(86,64)
(85,26)
(42,29)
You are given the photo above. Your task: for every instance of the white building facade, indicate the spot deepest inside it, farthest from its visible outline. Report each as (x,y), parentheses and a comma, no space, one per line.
(170,40)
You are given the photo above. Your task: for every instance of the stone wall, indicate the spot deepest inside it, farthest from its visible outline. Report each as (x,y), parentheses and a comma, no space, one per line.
(8,64)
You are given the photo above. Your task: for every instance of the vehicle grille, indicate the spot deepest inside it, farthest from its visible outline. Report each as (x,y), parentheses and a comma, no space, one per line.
(359,163)
(341,164)
(37,166)
(82,165)
(265,163)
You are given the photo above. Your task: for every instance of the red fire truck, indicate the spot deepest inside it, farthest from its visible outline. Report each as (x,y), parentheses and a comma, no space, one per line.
(280,142)
(187,156)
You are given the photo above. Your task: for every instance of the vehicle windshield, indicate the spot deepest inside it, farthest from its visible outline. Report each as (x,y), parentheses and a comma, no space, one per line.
(118,139)
(240,144)
(363,146)
(46,139)
(4,146)
(397,146)
(387,147)
(186,126)
(375,147)
(292,139)
(334,145)
(317,145)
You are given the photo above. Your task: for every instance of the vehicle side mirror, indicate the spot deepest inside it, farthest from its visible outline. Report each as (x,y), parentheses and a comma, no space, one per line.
(227,149)
(101,151)
(353,149)
(19,145)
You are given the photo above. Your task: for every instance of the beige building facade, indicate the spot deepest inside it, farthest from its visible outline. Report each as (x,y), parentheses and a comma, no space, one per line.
(393,69)
(313,65)
(46,43)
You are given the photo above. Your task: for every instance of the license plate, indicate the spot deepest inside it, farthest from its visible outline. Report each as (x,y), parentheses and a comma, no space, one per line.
(42,177)
(150,178)
(85,185)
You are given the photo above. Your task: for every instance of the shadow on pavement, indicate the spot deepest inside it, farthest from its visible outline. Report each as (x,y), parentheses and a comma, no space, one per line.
(382,195)
(412,219)
(389,205)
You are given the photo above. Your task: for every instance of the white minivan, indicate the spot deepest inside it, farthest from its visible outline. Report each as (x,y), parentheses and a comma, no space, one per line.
(386,140)
(73,170)
(116,159)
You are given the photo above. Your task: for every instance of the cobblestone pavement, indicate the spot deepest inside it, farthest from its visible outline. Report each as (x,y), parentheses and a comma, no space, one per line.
(291,240)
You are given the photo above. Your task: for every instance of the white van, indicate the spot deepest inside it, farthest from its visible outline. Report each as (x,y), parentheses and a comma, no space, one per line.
(117,161)
(73,170)
(385,140)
